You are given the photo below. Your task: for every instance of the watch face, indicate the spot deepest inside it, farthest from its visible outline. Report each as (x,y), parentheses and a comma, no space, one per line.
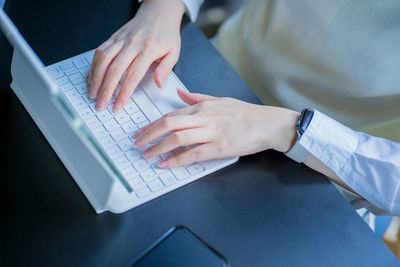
(304,121)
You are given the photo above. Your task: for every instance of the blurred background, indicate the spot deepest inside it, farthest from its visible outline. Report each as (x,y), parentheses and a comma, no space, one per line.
(214,12)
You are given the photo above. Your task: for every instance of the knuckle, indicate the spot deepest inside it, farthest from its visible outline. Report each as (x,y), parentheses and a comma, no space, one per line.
(166,122)
(222,145)
(195,154)
(114,69)
(130,41)
(102,55)
(150,45)
(203,105)
(179,138)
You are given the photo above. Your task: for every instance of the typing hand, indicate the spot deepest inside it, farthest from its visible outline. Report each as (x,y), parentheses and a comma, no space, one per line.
(220,127)
(152,35)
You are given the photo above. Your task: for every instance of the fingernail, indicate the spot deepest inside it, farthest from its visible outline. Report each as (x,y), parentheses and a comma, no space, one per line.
(139,133)
(117,106)
(147,154)
(163,164)
(101,104)
(92,92)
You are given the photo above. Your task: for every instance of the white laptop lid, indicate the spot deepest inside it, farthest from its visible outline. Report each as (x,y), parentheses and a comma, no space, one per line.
(36,66)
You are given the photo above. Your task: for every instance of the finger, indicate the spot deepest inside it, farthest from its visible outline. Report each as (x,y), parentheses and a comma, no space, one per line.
(193,98)
(164,68)
(178,139)
(114,73)
(133,76)
(104,58)
(164,126)
(198,153)
(102,47)
(178,112)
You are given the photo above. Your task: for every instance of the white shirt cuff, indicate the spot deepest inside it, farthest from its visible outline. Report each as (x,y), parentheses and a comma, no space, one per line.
(367,164)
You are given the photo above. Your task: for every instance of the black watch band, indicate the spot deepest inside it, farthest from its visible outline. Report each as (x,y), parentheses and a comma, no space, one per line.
(297,152)
(304,121)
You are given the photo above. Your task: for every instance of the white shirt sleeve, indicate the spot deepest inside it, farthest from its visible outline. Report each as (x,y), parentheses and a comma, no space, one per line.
(192,7)
(367,164)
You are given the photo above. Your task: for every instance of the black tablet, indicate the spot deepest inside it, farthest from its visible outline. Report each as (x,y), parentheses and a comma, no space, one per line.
(179,247)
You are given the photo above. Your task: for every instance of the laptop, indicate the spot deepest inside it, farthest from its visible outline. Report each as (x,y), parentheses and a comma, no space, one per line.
(97,147)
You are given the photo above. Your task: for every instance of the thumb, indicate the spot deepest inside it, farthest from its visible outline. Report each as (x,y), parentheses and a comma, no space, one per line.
(193,98)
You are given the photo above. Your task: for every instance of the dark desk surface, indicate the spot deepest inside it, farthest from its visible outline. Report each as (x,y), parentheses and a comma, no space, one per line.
(263,211)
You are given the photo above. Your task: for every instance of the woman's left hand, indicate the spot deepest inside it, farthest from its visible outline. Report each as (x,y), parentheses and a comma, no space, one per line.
(220,128)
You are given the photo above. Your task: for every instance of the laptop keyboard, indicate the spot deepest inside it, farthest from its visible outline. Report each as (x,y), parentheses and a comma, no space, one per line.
(114,131)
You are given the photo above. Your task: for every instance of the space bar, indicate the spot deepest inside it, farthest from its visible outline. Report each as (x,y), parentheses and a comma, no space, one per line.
(144,103)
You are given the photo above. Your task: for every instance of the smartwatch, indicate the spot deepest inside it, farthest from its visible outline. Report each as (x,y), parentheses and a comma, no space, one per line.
(298,152)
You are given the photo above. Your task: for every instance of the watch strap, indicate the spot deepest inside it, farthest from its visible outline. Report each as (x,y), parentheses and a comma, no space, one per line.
(298,152)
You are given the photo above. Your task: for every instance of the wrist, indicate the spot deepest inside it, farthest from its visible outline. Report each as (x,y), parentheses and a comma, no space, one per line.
(286,134)
(172,8)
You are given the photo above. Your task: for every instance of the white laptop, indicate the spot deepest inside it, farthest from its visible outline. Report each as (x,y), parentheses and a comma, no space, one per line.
(97,147)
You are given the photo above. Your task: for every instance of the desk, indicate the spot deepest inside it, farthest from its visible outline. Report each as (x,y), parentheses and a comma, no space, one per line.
(264,210)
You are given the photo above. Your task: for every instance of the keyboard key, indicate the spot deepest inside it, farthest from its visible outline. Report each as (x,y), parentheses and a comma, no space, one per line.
(93,123)
(140,165)
(131,108)
(122,163)
(78,103)
(167,178)
(130,172)
(107,142)
(70,72)
(80,63)
(61,81)
(137,184)
(65,65)
(118,135)
(148,175)
(180,173)
(103,116)
(126,144)
(89,58)
(129,127)
(144,103)
(71,94)
(114,152)
(157,169)
(86,113)
(155,185)
(195,168)
(135,180)
(55,73)
(100,132)
(143,192)
(93,106)
(138,117)
(142,124)
(82,88)
(85,72)
(76,79)
(133,155)
(111,125)
(66,87)
(121,117)
(87,99)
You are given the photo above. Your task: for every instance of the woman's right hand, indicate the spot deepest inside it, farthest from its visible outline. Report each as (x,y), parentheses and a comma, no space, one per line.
(152,35)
